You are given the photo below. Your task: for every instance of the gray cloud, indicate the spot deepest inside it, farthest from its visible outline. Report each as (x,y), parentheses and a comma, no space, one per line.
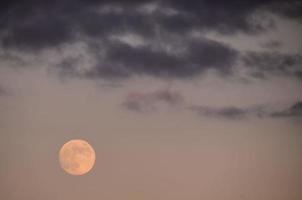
(293,111)
(265,64)
(123,60)
(146,102)
(150,101)
(290,9)
(272,44)
(43,24)
(235,113)
(31,26)
(37,25)
(225,112)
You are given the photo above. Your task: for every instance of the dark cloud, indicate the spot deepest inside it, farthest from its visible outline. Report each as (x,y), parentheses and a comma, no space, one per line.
(40,24)
(224,17)
(290,9)
(146,102)
(264,64)
(293,111)
(31,26)
(225,112)
(235,113)
(37,25)
(272,44)
(123,60)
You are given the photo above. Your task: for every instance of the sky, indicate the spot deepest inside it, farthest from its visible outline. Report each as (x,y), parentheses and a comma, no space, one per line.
(179,99)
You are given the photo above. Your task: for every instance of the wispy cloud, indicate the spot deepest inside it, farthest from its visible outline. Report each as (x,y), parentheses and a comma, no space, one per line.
(146,102)
(294,110)
(225,112)
(237,113)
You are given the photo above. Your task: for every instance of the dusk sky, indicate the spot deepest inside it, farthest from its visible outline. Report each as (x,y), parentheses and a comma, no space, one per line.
(181,100)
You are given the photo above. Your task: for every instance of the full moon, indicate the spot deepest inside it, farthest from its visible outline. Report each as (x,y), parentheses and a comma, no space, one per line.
(77,157)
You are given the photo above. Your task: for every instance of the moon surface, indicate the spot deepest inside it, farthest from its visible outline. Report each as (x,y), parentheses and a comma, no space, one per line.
(77,157)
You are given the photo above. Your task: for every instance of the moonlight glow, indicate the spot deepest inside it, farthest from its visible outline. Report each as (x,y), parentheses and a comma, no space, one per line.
(77,157)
